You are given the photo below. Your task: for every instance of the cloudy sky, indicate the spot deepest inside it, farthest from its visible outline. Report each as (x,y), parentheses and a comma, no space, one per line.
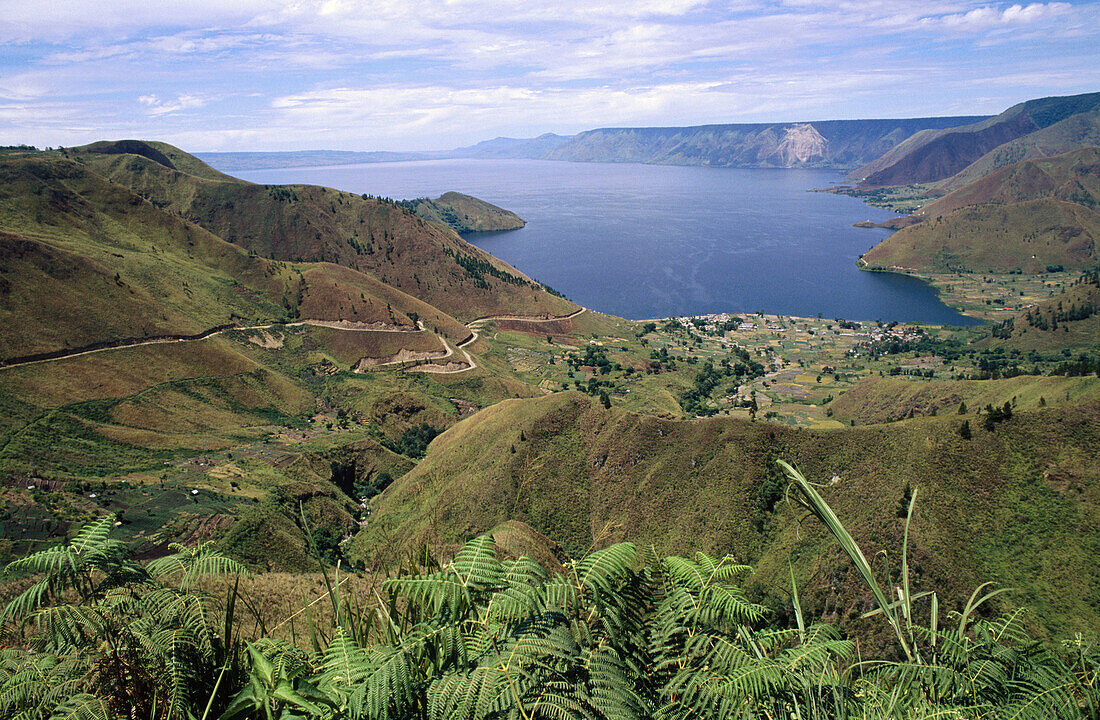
(436,74)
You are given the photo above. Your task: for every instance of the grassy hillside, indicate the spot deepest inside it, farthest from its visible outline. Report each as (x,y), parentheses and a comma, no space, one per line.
(937,154)
(584,476)
(463,213)
(309,223)
(1027,217)
(887,399)
(1073,176)
(1023,237)
(1069,320)
(88,261)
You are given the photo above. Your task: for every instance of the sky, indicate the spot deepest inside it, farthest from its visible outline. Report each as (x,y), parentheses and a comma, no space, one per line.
(223,75)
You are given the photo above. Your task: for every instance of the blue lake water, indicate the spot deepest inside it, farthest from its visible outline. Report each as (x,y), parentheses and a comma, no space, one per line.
(646,241)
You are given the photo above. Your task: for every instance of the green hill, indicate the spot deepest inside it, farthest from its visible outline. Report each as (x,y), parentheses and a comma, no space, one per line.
(463,213)
(936,154)
(1020,495)
(1068,320)
(1073,177)
(305,223)
(1025,217)
(87,261)
(888,399)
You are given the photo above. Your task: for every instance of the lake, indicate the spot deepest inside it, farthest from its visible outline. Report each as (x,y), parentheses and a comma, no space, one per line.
(650,241)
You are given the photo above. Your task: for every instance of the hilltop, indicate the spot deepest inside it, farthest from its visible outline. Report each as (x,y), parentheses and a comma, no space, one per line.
(463,213)
(304,223)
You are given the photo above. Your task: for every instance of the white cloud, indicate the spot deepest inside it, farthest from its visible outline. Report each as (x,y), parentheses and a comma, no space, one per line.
(394,74)
(157,107)
(992,16)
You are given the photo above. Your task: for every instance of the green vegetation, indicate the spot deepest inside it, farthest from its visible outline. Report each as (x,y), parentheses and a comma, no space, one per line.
(618,633)
(709,485)
(464,214)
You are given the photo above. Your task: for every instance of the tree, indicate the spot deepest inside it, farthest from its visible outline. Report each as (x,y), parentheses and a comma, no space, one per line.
(605,400)
(964,430)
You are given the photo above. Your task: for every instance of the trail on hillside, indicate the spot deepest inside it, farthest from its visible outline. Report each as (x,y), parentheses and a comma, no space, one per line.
(528,318)
(335,324)
(212,332)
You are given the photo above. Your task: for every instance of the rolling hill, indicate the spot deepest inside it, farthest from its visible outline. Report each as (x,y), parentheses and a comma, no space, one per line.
(1025,217)
(304,223)
(463,213)
(933,155)
(1075,132)
(584,475)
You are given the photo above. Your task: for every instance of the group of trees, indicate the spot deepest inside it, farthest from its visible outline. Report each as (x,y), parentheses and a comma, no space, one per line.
(620,633)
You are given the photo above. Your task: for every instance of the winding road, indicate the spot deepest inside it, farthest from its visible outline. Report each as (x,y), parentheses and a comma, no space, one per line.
(337,324)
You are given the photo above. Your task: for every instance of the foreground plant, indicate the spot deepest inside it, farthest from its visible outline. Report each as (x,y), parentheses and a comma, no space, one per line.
(973,667)
(109,637)
(620,634)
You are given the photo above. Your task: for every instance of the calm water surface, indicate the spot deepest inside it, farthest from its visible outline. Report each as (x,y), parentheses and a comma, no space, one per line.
(644,241)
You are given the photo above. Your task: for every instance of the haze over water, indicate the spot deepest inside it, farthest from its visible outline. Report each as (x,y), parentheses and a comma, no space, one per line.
(648,241)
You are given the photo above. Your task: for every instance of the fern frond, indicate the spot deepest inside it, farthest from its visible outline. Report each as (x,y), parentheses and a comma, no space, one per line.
(83,707)
(601,569)
(193,563)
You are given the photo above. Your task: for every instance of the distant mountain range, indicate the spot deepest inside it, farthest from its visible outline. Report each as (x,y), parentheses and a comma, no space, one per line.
(836,144)
(1036,128)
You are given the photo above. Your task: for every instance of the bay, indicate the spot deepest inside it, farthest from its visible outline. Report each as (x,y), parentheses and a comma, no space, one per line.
(652,241)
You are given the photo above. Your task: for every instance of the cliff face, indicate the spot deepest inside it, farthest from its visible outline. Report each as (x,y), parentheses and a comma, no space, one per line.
(802,144)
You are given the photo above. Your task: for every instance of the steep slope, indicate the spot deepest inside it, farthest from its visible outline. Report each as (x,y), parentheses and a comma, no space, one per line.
(1024,236)
(936,154)
(1073,177)
(310,223)
(1024,217)
(831,143)
(160,153)
(87,261)
(1077,131)
(581,474)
